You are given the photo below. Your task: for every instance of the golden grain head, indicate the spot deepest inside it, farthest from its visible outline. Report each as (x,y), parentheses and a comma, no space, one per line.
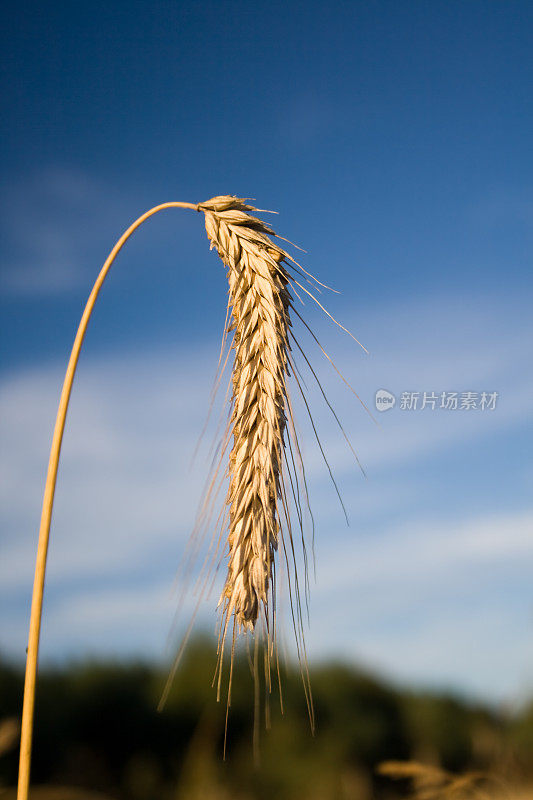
(267,501)
(260,303)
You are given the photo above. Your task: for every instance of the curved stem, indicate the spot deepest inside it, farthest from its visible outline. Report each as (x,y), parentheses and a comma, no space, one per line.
(48,501)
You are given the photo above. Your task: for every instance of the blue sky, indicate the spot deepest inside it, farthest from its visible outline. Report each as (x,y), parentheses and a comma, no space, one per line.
(395,141)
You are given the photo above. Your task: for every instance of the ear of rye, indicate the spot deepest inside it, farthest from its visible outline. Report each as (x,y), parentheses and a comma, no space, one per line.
(267,484)
(260,302)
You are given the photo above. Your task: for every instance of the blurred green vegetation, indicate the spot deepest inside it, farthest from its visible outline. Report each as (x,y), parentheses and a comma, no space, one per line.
(97,727)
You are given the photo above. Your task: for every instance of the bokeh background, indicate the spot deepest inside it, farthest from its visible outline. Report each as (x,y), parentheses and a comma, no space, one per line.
(394,140)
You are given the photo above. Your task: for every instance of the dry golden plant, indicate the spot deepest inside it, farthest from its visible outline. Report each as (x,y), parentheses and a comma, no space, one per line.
(260,303)
(265,456)
(433,783)
(267,497)
(260,425)
(9,734)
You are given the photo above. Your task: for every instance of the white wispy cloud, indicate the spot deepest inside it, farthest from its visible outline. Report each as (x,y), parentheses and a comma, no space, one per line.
(54,223)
